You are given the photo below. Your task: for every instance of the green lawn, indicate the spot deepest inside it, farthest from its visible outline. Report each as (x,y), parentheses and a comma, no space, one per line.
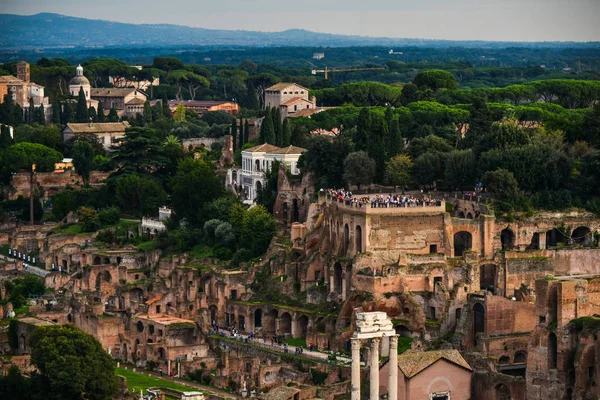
(296,342)
(137,381)
(404,344)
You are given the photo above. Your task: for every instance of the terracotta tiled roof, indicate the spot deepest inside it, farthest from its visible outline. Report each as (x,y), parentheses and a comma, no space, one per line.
(294,100)
(10,78)
(413,362)
(98,127)
(263,148)
(135,101)
(289,150)
(278,87)
(113,92)
(154,299)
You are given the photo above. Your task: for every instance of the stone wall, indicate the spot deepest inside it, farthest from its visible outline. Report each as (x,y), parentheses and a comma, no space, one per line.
(51,182)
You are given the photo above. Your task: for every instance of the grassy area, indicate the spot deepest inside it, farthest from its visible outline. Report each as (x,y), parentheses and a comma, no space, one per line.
(404,344)
(137,381)
(296,342)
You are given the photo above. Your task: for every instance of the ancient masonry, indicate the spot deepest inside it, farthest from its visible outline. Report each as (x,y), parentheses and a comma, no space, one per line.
(518,300)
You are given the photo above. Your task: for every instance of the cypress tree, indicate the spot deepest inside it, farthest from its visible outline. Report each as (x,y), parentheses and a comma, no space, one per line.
(165,107)
(68,114)
(113,116)
(276,116)
(267,132)
(30,112)
(286,133)
(234,132)
(101,116)
(81,112)
(246,131)
(56,109)
(393,139)
(363,129)
(92,113)
(6,110)
(147,113)
(5,138)
(39,115)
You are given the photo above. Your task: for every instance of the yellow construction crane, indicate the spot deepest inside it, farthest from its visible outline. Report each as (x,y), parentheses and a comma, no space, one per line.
(328,71)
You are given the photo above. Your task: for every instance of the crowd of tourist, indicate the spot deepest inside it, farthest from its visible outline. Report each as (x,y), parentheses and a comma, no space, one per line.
(381,201)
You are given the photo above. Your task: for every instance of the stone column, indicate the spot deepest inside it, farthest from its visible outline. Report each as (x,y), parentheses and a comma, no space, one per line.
(375,368)
(355,388)
(393,376)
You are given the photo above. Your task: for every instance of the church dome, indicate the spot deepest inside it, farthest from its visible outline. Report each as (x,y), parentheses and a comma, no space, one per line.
(79,79)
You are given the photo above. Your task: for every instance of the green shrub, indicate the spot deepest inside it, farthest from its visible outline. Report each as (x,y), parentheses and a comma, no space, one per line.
(109,216)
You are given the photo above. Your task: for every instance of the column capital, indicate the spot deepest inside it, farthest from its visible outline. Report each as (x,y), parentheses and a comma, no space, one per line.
(394,341)
(355,343)
(375,342)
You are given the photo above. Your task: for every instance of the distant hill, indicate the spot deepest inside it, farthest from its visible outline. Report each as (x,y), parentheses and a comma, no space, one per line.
(60,31)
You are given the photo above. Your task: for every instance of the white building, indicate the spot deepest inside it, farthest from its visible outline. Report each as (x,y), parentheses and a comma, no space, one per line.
(153,226)
(78,82)
(250,177)
(318,56)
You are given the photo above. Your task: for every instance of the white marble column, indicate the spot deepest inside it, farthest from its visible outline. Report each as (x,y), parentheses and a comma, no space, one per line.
(375,368)
(393,376)
(355,389)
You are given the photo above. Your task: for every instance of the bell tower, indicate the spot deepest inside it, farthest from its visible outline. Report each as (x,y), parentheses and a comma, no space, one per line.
(23,71)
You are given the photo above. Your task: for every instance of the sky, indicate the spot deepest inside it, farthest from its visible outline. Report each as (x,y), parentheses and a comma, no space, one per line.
(500,20)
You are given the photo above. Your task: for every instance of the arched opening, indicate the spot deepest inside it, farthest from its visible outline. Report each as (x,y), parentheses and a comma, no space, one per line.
(507,238)
(555,237)
(478,321)
(102,277)
(320,325)
(502,392)
(461,215)
(488,275)
(23,345)
(295,211)
(136,294)
(258,187)
(520,357)
(552,351)
(346,240)
(106,260)
(140,326)
(119,259)
(358,239)
(535,242)
(124,351)
(162,354)
(463,241)
(348,280)
(469,216)
(402,330)
(270,318)
(285,323)
(582,236)
(302,327)
(96,261)
(213,314)
(257,165)
(258,314)
(149,341)
(337,277)
(69,318)
(151,329)
(504,360)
